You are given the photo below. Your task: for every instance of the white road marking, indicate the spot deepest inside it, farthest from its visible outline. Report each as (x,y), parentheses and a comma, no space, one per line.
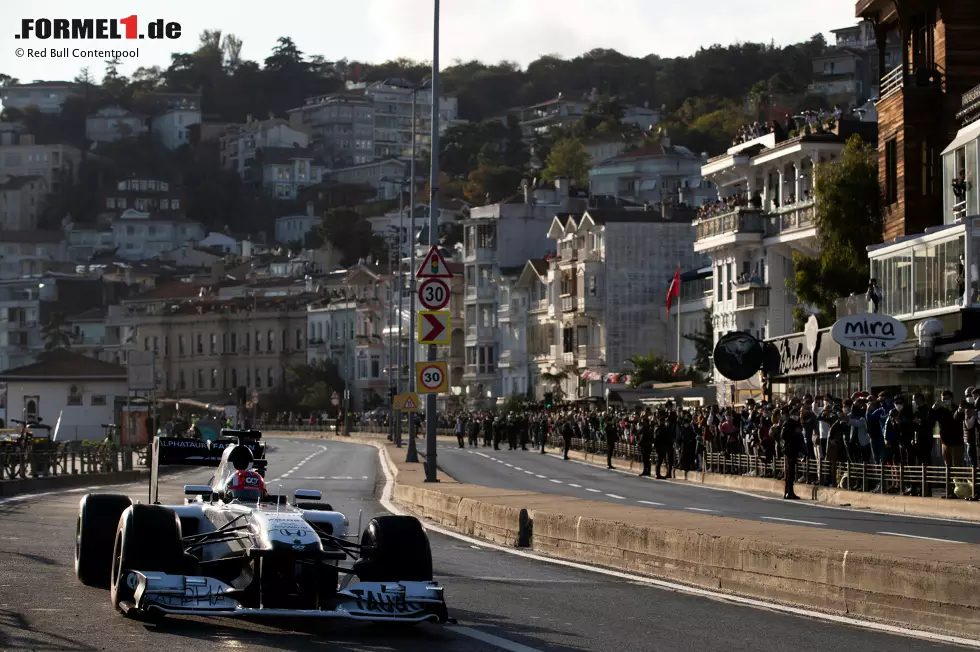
(672,586)
(530,580)
(791,520)
(595,491)
(529,472)
(496,641)
(538,475)
(557,481)
(912,536)
(319,477)
(510,465)
(616,497)
(577,486)
(476,547)
(699,509)
(650,502)
(517,468)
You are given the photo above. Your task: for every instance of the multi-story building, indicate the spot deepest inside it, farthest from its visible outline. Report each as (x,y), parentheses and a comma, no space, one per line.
(332,325)
(295,228)
(46,96)
(206,345)
(918,101)
(652,173)
(342,127)
(610,281)
(240,144)
(372,352)
(147,218)
(113,123)
(847,73)
(500,237)
(21,200)
(766,213)
(174,126)
(285,171)
(31,253)
(392,100)
(386,176)
(527,325)
(31,309)
(20,156)
(540,118)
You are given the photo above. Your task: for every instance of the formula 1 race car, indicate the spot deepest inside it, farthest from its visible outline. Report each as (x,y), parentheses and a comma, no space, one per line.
(234,549)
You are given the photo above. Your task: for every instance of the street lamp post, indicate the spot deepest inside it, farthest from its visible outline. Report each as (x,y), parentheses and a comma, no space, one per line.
(430,399)
(412,455)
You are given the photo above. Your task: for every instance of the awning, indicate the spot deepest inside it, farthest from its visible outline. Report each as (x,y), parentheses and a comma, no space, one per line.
(968,356)
(965,135)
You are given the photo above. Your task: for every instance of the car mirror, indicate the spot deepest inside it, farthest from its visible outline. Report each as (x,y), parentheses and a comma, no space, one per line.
(306,494)
(197,490)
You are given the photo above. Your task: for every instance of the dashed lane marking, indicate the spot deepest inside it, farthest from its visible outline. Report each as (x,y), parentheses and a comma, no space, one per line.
(538,475)
(616,497)
(792,520)
(595,491)
(577,486)
(557,481)
(650,502)
(700,509)
(912,536)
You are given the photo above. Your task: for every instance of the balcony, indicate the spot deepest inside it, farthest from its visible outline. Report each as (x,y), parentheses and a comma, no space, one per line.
(751,298)
(480,255)
(480,293)
(476,333)
(791,219)
(739,221)
(589,357)
(924,76)
(510,358)
(540,304)
(568,255)
(569,304)
(568,358)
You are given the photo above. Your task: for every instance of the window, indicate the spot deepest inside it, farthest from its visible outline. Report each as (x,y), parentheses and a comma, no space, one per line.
(214,379)
(234,378)
(200,344)
(284,342)
(728,281)
(166,345)
(258,341)
(97,399)
(299,339)
(156,344)
(375,367)
(200,379)
(180,345)
(271,376)
(214,343)
(146,344)
(258,379)
(182,381)
(891,172)
(593,286)
(74,397)
(271,339)
(928,169)
(234,344)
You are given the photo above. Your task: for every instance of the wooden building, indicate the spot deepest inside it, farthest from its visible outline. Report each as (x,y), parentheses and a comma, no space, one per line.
(919,99)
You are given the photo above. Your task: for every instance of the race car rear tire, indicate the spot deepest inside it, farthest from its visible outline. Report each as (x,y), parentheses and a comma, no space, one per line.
(148,538)
(95,530)
(394,549)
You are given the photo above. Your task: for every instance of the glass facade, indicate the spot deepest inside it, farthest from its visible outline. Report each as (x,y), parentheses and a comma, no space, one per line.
(924,277)
(961,193)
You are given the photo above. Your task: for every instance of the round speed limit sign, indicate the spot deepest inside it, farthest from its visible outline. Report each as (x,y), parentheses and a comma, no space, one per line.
(432,378)
(433,294)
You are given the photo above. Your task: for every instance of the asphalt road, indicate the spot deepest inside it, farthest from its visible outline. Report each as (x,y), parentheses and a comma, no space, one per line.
(501,601)
(531,471)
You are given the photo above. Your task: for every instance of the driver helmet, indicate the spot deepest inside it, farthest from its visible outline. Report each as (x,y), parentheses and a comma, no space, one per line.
(246,486)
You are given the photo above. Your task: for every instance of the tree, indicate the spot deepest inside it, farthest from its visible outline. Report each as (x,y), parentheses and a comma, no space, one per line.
(653,368)
(351,235)
(313,385)
(704,344)
(7,80)
(848,219)
(54,333)
(567,160)
(488,185)
(556,380)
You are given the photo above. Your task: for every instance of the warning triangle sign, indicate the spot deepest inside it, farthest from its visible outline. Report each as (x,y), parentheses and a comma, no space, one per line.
(409,404)
(433,266)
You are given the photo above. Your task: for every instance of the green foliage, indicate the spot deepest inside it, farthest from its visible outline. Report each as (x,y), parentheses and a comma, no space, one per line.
(704,344)
(848,217)
(311,386)
(660,370)
(567,160)
(556,380)
(488,185)
(350,233)
(515,404)
(491,143)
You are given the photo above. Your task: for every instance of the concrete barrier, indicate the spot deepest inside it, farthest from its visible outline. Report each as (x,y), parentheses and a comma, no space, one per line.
(922,594)
(55,482)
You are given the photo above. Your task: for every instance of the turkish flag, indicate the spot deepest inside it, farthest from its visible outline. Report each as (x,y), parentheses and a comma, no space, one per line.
(675,288)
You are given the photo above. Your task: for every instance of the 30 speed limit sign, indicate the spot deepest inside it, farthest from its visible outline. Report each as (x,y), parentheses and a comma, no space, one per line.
(434,294)
(431,377)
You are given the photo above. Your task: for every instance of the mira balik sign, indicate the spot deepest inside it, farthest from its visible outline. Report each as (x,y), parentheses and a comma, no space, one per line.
(869,332)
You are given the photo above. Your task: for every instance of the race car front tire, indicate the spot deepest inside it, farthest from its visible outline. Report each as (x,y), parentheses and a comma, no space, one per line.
(148,538)
(95,530)
(394,549)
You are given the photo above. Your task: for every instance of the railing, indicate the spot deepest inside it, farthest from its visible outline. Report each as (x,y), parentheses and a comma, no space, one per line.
(569,304)
(588,354)
(792,218)
(891,82)
(751,298)
(896,479)
(43,458)
(480,254)
(568,357)
(740,220)
(916,76)
(856,305)
(960,210)
(540,304)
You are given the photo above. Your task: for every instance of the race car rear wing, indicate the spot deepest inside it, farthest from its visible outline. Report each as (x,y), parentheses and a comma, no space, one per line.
(178,451)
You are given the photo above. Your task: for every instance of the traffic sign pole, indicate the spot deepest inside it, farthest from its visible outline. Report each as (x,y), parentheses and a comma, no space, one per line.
(430,399)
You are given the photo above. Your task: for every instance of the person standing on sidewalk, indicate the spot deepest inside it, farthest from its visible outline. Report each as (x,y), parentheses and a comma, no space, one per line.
(646,444)
(566,435)
(794,446)
(611,435)
(664,442)
(951,437)
(970,434)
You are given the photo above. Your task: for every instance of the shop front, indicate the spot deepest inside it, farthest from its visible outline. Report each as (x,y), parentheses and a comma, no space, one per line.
(809,363)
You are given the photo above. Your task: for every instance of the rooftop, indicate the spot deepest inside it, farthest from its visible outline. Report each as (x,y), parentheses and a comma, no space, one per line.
(653,150)
(279,155)
(61,364)
(16,183)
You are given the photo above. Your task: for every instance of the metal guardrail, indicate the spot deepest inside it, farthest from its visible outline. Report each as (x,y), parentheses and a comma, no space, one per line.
(927,481)
(43,458)
(372,428)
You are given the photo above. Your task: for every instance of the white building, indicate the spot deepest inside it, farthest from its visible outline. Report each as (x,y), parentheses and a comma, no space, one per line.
(765,214)
(342,127)
(284,171)
(223,242)
(331,335)
(609,287)
(652,173)
(30,253)
(387,176)
(138,235)
(173,126)
(21,201)
(46,96)
(499,239)
(527,324)
(241,143)
(83,241)
(114,123)
(21,156)
(80,390)
(294,228)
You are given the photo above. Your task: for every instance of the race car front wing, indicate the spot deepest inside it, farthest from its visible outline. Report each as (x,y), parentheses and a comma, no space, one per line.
(406,602)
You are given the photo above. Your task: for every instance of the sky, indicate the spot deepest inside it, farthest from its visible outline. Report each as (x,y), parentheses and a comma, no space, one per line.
(378,30)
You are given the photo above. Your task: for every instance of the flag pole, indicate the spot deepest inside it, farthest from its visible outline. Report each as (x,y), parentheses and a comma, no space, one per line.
(678,315)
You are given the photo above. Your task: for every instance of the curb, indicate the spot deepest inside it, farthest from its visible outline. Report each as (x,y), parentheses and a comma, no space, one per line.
(17,487)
